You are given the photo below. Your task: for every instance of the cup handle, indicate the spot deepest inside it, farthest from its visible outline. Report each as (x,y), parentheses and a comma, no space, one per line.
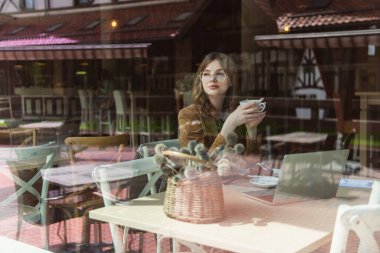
(262,106)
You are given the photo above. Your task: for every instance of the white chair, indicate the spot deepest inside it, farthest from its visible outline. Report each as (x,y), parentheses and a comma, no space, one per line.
(87,123)
(112,180)
(271,152)
(123,115)
(364,220)
(96,145)
(153,125)
(34,202)
(6,105)
(147,149)
(106,121)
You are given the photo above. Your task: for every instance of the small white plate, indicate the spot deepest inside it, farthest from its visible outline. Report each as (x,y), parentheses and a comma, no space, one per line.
(264,181)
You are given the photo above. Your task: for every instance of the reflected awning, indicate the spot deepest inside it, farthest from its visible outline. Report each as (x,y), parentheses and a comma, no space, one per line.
(74,52)
(345,39)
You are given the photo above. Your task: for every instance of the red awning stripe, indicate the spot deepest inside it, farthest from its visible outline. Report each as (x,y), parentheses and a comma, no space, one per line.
(74,52)
(346,39)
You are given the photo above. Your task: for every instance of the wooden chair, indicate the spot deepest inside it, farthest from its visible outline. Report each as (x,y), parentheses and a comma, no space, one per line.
(76,146)
(362,219)
(80,143)
(32,192)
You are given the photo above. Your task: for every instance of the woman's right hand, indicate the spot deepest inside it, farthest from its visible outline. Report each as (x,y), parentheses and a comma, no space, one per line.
(243,114)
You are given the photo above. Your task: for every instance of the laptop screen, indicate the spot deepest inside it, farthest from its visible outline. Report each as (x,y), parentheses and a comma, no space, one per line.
(314,175)
(305,176)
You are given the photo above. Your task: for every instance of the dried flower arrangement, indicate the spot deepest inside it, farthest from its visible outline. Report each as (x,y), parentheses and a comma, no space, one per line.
(225,159)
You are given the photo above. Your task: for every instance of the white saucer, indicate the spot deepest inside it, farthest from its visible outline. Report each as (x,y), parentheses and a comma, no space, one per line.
(264,181)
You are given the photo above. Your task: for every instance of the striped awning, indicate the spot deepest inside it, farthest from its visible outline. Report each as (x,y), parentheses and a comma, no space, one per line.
(341,39)
(74,52)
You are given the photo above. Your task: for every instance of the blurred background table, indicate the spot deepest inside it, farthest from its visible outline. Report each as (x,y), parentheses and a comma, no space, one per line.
(41,126)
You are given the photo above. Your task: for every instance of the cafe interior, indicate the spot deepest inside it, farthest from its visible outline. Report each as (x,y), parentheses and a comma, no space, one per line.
(90,92)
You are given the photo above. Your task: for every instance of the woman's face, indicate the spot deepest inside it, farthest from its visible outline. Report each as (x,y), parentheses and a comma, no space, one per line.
(214,80)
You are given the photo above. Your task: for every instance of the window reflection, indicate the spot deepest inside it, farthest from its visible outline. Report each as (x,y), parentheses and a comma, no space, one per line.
(315,63)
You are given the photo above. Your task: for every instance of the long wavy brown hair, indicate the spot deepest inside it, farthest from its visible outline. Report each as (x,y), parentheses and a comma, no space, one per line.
(200,97)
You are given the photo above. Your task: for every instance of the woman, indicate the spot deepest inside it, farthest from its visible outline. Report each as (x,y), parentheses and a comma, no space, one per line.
(214,112)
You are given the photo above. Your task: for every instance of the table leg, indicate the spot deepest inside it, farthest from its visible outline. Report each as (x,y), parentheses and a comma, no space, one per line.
(363,133)
(34,138)
(117,240)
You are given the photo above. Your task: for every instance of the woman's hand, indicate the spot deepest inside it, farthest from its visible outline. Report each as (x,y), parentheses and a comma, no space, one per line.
(248,114)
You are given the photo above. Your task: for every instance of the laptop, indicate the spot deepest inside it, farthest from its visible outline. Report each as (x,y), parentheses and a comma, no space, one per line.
(305,176)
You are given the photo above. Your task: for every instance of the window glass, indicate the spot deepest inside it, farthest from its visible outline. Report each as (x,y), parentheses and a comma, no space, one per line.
(159,70)
(27,4)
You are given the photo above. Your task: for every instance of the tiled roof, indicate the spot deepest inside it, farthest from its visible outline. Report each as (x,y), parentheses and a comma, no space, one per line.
(37,41)
(321,20)
(297,15)
(157,24)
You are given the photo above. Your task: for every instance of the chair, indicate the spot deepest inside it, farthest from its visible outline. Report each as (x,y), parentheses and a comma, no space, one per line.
(154,122)
(106,116)
(351,140)
(80,143)
(147,149)
(35,205)
(271,152)
(362,219)
(123,115)
(6,105)
(77,145)
(105,119)
(113,191)
(330,142)
(182,98)
(87,123)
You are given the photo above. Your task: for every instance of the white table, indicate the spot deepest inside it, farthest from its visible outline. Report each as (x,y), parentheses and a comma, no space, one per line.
(77,175)
(9,245)
(56,125)
(299,137)
(249,226)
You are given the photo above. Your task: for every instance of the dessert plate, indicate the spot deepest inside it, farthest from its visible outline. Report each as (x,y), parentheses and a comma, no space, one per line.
(264,181)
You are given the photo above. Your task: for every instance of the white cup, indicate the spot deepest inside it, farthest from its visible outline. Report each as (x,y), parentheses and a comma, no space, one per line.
(276,172)
(259,102)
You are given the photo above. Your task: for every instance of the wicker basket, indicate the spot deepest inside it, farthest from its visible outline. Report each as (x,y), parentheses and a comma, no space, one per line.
(198,200)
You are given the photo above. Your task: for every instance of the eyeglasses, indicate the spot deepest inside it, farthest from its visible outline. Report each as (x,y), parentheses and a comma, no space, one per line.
(219,76)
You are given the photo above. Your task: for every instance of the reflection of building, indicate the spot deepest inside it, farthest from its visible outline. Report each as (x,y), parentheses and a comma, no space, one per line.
(341,34)
(147,45)
(82,39)
(55,47)
(90,35)
(345,39)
